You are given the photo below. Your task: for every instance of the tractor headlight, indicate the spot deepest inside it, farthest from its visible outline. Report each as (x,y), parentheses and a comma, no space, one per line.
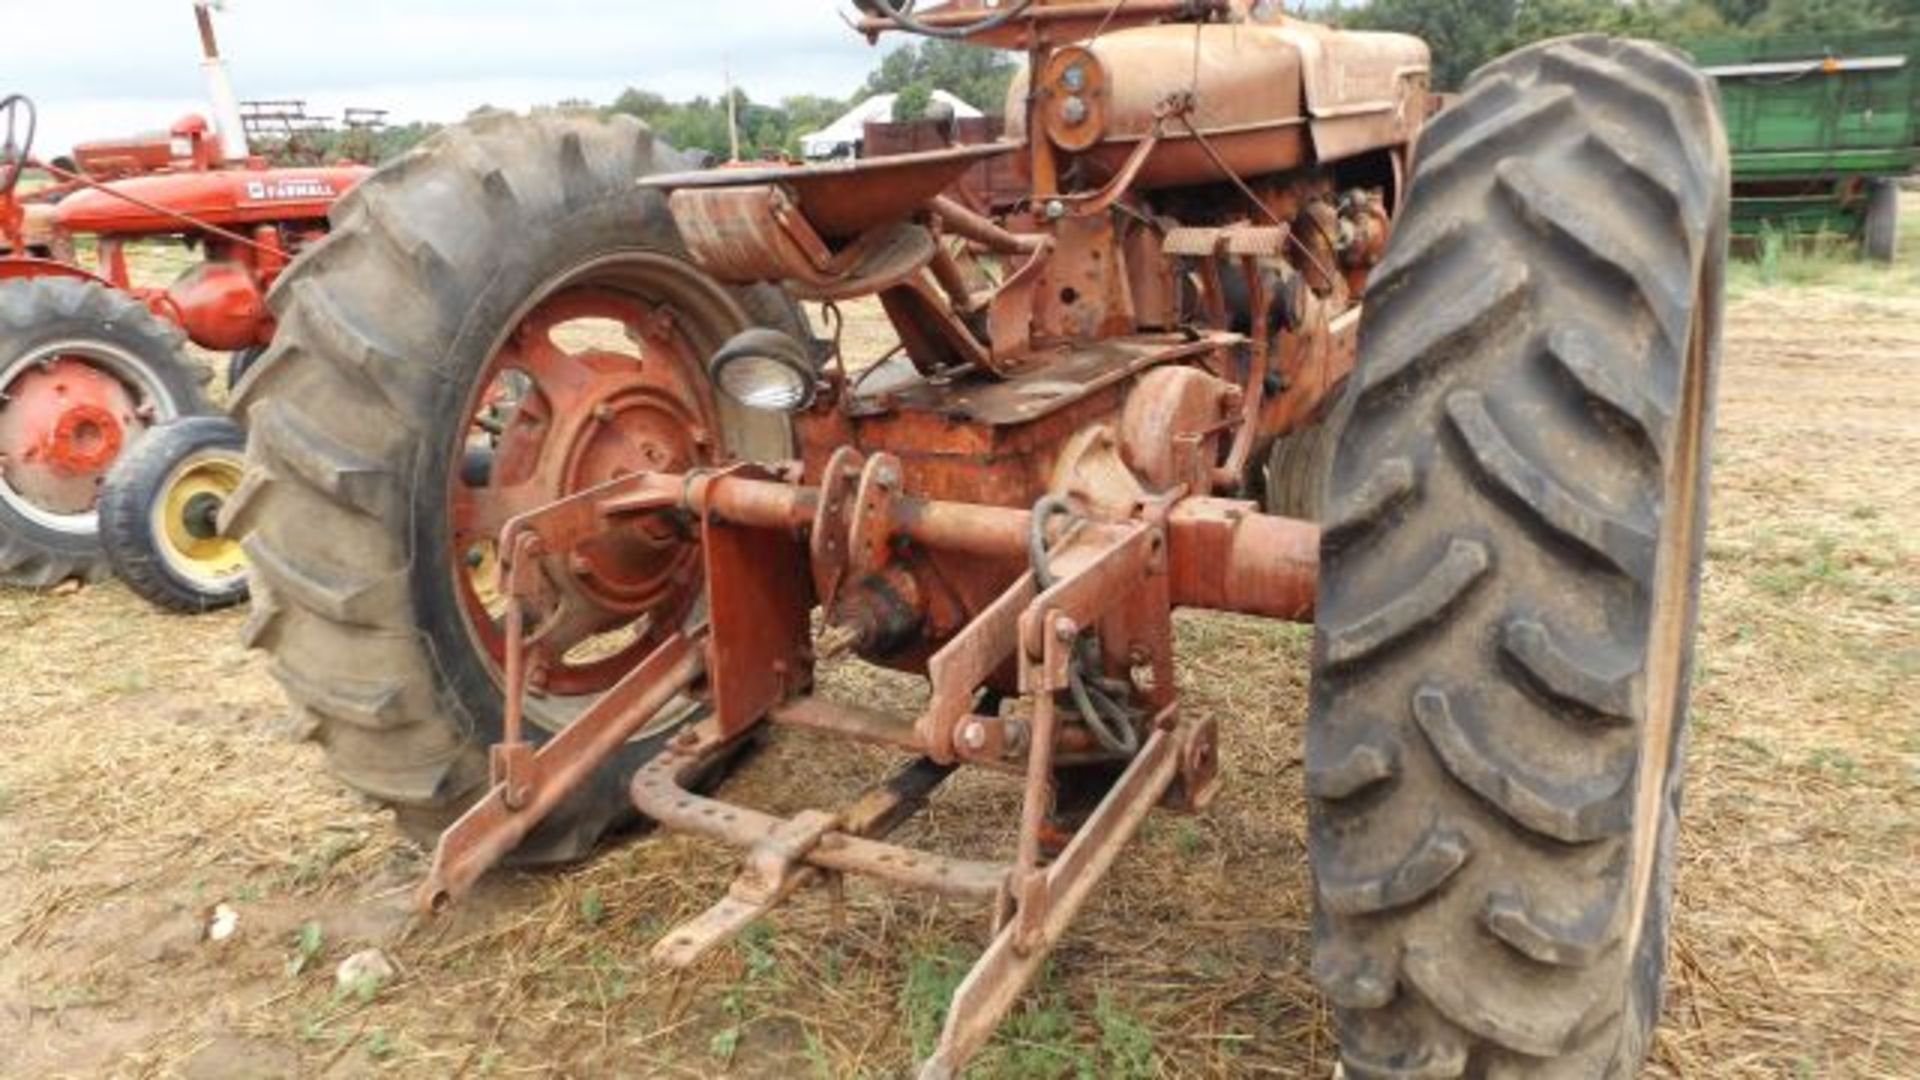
(766,370)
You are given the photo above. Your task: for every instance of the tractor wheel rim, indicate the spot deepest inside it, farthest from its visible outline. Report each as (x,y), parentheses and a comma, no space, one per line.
(88,437)
(596,378)
(190,499)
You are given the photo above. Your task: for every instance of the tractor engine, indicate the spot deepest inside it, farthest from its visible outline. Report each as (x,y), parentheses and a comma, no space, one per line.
(1208,200)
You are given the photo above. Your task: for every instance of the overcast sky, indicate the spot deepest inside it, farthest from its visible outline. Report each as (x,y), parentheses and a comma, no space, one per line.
(133,64)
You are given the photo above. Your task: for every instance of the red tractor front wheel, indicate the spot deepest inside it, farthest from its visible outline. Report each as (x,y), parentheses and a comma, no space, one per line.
(85,372)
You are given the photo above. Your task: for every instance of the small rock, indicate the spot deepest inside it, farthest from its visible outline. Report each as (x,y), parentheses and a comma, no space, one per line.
(68,587)
(224,923)
(367,968)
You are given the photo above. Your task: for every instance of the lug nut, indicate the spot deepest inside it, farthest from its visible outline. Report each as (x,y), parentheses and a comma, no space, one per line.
(974,735)
(1074,110)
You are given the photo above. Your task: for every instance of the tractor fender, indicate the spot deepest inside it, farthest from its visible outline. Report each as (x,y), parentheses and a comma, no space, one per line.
(1364,91)
(28,267)
(13,267)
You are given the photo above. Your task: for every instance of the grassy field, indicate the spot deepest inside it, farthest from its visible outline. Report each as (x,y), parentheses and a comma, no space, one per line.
(145,779)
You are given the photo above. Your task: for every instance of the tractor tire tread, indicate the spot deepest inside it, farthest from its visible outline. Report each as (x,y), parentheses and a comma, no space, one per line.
(1495,495)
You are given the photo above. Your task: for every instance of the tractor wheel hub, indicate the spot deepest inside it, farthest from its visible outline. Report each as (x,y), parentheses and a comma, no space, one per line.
(86,439)
(636,429)
(64,424)
(591,386)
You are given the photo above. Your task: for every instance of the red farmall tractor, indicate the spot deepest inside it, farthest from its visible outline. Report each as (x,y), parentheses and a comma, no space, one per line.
(554,499)
(94,471)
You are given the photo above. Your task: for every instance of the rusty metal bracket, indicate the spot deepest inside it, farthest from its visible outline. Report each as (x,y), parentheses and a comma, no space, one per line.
(870,540)
(788,854)
(495,825)
(510,763)
(759,594)
(1021,946)
(957,671)
(1254,394)
(1010,313)
(832,524)
(774,871)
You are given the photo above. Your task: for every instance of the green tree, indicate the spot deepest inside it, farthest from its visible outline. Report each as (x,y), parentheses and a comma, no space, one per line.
(808,113)
(1739,12)
(644,104)
(911,103)
(1462,33)
(1465,34)
(975,75)
(1829,16)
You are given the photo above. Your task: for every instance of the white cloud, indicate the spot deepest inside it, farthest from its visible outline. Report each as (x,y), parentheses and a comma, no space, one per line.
(423,59)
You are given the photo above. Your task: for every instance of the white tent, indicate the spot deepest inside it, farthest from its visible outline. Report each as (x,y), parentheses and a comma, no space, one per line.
(843,137)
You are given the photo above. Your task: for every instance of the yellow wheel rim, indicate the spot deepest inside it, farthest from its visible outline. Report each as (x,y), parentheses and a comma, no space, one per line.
(186,514)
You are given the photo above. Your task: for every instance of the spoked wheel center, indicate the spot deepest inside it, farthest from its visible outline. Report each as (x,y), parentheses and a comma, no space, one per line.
(65,416)
(593,383)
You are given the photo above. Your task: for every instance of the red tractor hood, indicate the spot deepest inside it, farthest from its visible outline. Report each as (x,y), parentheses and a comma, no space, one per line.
(224,197)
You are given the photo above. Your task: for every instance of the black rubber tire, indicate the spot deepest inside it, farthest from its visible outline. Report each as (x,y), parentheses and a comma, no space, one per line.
(1882,237)
(138,481)
(43,311)
(355,417)
(1510,575)
(1294,480)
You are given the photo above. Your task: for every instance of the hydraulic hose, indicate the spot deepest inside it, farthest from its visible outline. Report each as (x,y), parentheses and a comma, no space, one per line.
(1112,723)
(901,12)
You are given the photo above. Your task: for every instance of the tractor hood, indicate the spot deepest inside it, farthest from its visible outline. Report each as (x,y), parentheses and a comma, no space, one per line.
(1268,95)
(224,197)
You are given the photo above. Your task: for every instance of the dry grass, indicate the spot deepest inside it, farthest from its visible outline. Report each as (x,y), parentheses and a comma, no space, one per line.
(141,783)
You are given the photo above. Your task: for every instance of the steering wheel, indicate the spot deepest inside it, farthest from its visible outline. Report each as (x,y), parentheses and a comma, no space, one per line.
(17,150)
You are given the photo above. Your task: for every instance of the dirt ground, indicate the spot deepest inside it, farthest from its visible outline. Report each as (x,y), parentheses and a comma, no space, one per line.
(145,782)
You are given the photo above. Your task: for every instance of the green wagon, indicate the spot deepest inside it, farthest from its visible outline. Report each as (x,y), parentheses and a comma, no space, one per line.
(1822,129)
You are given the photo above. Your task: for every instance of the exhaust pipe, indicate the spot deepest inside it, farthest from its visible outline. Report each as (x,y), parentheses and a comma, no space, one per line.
(226,106)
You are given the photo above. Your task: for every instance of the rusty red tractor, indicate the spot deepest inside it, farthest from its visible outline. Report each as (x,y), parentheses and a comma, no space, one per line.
(554,498)
(93,471)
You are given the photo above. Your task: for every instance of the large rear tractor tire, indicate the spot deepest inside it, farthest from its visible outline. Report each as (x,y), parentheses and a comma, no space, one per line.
(497,320)
(1510,576)
(85,372)
(1294,481)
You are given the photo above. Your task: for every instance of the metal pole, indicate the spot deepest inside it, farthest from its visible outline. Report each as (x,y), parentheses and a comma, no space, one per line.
(226,105)
(733,118)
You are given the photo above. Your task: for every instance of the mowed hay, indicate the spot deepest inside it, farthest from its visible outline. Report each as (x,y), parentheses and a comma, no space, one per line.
(144,780)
